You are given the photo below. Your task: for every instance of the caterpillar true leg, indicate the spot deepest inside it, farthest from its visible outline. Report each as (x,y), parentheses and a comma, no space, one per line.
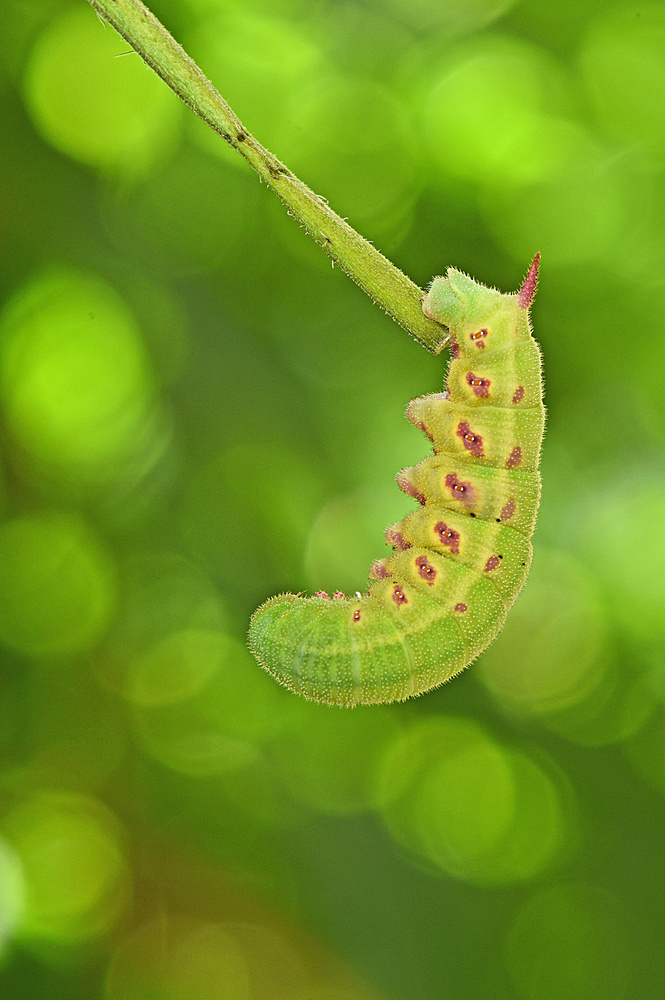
(459,560)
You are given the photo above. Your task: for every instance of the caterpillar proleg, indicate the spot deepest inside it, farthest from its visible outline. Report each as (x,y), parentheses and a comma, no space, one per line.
(461,558)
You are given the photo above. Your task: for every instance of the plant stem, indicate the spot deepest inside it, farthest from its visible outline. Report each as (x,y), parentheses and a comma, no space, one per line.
(386,284)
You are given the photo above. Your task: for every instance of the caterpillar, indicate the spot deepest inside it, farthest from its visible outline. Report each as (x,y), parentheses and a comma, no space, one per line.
(461,558)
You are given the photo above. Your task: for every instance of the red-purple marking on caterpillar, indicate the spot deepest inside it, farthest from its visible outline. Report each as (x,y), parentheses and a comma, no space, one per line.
(519,395)
(528,289)
(514,459)
(480,386)
(478,338)
(410,489)
(339,595)
(399,597)
(459,490)
(454,349)
(492,563)
(417,423)
(472,442)
(378,570)
(421,427)
(460,608)
(397,539)
(508,511)
(322,593)
(426,570)
(448,537)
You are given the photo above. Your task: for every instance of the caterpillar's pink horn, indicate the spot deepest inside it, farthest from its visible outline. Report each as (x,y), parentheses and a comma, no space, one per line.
(528,289)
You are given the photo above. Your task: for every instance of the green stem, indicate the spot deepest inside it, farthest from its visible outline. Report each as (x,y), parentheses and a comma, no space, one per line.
(376,275)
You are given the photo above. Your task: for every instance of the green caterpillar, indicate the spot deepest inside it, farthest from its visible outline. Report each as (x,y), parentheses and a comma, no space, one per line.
(459,560)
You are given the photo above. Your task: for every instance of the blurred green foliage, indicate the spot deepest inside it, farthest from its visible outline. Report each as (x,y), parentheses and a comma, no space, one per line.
(197,412)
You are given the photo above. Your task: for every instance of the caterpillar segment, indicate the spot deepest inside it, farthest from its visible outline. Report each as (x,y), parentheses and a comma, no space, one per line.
(461,558)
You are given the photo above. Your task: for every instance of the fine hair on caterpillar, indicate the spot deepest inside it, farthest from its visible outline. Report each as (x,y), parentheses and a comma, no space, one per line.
(461,558)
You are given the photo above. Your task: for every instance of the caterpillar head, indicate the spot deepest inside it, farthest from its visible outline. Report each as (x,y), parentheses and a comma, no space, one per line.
(480,317)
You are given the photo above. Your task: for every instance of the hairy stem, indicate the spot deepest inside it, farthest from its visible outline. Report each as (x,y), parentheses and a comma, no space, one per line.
(386,284)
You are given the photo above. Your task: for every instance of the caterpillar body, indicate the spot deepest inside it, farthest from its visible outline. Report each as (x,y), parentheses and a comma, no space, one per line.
(459,560)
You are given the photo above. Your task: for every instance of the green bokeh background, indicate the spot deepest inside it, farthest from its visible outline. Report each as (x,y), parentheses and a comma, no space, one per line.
(196,412)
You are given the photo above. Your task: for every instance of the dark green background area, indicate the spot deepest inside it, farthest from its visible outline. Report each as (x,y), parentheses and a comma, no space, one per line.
(197,411)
